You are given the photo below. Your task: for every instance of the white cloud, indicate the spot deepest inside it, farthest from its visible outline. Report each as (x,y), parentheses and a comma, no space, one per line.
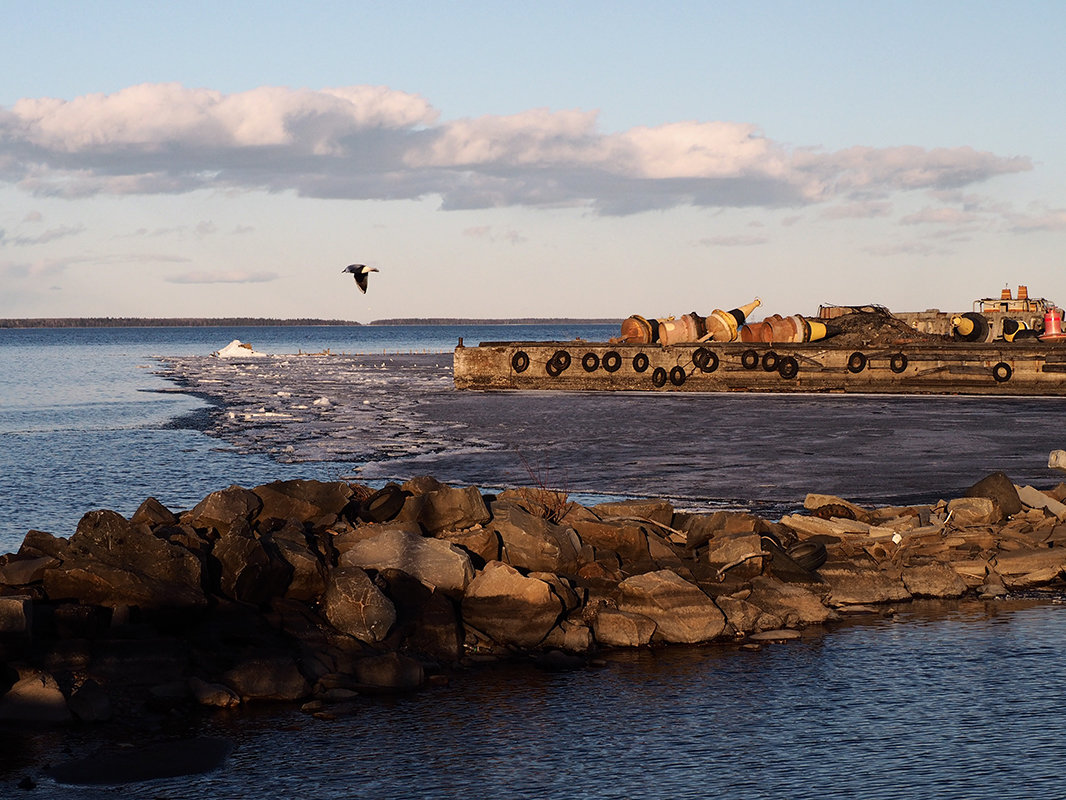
(940,216)
(738,240)
(367,142)
(236,276)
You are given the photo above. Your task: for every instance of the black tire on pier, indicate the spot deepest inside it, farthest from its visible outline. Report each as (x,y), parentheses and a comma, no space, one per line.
(1002,372)
(749,359)
(857,362)
(590,362)
(383,505)
(520,361)
(658,377)
(611,361)
(640,362)
(809,555)
(705,360)
(898,363)
(788,367)
(678,376)
(769,362)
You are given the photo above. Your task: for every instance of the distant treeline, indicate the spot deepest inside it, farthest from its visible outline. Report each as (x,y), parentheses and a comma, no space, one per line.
(512,321)
(165,322)
(229,322)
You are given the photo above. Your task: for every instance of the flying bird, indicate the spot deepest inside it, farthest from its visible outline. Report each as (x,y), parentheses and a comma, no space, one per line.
(360,272)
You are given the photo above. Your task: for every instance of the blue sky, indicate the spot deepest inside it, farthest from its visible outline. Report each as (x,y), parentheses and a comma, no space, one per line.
(566,159)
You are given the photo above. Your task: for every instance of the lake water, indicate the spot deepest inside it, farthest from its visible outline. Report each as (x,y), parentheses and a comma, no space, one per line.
(934,702)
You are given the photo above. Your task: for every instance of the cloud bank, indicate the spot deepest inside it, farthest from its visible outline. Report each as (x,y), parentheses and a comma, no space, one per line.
(368,142)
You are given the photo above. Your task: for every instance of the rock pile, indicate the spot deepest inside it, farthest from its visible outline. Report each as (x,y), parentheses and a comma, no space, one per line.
(317,592)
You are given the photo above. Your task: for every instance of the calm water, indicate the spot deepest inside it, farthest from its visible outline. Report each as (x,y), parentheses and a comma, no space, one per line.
(957,704)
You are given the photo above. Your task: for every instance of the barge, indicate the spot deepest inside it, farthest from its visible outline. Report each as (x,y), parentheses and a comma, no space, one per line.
(1010,346)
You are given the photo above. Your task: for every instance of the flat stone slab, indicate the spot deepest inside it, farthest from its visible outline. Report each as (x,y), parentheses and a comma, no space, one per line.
(779,635)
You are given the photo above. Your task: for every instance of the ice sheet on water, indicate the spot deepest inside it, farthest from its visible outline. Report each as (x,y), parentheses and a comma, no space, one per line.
(762,452)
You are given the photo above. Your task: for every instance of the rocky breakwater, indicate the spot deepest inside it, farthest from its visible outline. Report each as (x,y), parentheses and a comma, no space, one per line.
(318,592)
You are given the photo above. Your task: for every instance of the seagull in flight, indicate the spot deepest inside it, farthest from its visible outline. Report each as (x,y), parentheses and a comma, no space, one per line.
(360,272)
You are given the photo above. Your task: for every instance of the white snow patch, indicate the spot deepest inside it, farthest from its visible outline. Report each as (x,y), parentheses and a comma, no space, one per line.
(238,349)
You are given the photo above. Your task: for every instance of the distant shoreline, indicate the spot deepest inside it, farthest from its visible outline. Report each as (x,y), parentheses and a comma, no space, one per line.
(218,322)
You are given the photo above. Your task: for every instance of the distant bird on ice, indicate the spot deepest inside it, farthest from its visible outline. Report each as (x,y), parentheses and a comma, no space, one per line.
(360,272)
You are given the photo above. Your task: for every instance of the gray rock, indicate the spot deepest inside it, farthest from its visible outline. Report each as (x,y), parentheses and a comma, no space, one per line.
(795,605)
(355,606)
(615,628)
(854,585)
(534,544)
(309,572)
(110,562)
(302,500)
(390,671)
(510,608)
(681,611)
(215,695)
(1000,489)
(23,570)
(222,510)
(90,703)
(152,512)
(436,563)
(448,509)
(273,677)
(656,510)
(251,571)
(35,697)
(933,580)
(628,539)
(16,614)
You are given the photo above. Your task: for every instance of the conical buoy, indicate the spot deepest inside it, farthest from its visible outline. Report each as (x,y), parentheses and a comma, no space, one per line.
(1052,326)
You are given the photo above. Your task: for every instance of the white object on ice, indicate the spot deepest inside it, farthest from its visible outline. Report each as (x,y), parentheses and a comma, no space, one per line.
(237,349)
(322,401)
(1057,460)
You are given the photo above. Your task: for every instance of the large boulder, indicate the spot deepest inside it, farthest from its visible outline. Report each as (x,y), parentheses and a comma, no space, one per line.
(427,622)
(222,510)
(274,677)
(627,539)
(390,671)
(302,500)
(854,585)
(448,509)
(35,697)
(355,606)
(795,605)
(616,628)
(434,562)
(974,511)
(309,572)
(680,610)
(933,580)
(251,570)
(1000,489)
(509,607)
(533,543)
(110,562)
(740,552)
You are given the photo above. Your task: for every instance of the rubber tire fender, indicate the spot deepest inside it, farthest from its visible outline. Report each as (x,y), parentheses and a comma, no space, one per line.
(678,376)
(749,359)
(658,377)
(788,367)
(520,361)
(857,362)
(809,555)
(590,362)
(1002,372)
(611,361)
(705,360)
(769,361)
(383,504)
(898,362)
(641,362)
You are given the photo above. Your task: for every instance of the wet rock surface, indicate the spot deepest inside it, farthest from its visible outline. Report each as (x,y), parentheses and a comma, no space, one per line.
(206,614)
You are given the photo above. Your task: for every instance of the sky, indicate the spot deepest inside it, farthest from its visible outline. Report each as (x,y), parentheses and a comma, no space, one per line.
(552,159)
